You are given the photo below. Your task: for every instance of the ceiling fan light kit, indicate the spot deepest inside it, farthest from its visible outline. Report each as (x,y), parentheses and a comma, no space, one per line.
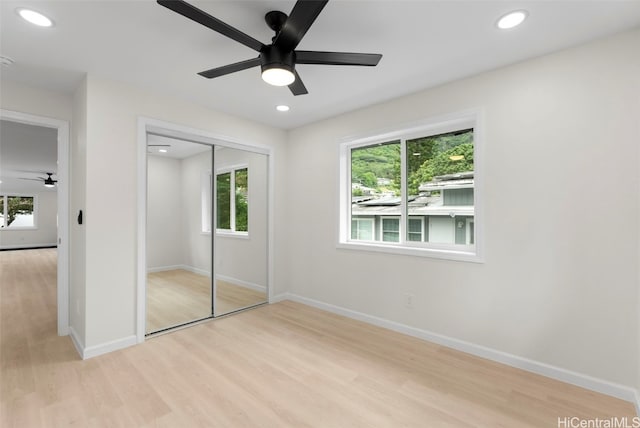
(278,59)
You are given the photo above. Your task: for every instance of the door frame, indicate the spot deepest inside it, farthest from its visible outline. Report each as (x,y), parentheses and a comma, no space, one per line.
(62,126)
(170,129)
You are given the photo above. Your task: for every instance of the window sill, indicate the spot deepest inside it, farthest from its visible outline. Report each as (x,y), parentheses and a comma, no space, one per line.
(6,229)
(230,234)
(435,253)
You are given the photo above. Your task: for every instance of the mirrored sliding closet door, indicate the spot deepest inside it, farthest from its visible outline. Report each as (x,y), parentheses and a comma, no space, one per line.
(179,248)
(207,231)
(241,211)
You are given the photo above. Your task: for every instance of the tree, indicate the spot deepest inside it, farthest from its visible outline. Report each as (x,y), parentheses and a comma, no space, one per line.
(431,156)
(17,205)
(457,159)
(242,208)
(373,162)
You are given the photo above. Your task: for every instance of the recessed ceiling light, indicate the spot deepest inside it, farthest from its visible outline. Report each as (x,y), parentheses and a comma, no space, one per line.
(282,108)
(162,150)
(512,19)
(36,18)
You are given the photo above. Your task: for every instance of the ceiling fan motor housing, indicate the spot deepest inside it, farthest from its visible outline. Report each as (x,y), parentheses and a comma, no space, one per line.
(273,57)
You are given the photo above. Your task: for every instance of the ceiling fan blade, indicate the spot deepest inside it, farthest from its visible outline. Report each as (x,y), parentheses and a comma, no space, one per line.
(201,17)
(32,179)
(231,68)
(337,58)
(303,14)
(297,87)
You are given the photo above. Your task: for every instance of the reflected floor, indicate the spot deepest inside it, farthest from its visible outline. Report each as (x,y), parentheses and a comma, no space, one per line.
(178,296)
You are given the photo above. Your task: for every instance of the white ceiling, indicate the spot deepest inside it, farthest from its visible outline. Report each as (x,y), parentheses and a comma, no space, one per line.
(175,148)
(26,153)
(424,43)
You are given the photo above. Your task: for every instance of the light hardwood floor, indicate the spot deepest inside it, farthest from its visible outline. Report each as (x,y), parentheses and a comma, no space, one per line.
(178,296)
(281,365)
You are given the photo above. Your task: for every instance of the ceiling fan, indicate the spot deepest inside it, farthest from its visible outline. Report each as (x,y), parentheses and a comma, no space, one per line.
(278,59)
(48,181)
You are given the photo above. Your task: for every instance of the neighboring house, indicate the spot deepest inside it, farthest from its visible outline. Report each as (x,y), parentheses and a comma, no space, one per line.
(363,189)
(443,212)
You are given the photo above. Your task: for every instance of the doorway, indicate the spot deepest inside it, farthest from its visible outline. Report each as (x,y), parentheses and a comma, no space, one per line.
(37,199)
(205,224)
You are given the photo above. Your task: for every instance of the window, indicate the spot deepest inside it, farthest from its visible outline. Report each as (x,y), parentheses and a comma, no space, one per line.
(414,230)
(17,211)
(232,198)
(362,229)
(418,188)
(391,229)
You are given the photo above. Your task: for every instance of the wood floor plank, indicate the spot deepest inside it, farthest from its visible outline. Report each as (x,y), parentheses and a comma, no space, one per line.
(281,365)
(179,296)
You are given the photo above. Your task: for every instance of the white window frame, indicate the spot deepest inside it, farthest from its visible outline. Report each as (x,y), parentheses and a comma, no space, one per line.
(206,194)
(6,227)
(469,119)
(232,170)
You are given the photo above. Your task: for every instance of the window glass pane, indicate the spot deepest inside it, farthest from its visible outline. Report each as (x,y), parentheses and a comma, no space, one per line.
(362,229)
(223,199)
(242,191)
(375,187)
(440,181)
(414,231)
(20,211)
(391,229)
(2,211)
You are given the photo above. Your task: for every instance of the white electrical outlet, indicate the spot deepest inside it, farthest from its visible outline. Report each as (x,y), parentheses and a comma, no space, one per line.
(408,300)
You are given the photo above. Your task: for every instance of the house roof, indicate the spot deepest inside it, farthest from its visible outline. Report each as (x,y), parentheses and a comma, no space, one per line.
(423,204)
(459,180)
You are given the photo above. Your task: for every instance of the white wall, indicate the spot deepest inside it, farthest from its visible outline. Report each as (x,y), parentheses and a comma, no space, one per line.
(245,259)
(78,191)
(112,112)
(197,245)
(560,281)
(36,101)
(46,231)
(165,220)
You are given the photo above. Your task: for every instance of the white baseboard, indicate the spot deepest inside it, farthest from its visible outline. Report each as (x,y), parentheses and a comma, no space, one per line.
(114,345)
(103,348)
(164,268)
(242,283)
(585,381)
(280,297)
(77,342)
(196,270)
(26,246)
(178,267)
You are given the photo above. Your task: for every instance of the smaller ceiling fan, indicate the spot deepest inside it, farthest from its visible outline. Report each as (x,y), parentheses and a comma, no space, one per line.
(48,181)
(278,59)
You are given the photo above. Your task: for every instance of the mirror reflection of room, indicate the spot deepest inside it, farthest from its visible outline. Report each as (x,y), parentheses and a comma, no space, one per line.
(178,252)
(241,229)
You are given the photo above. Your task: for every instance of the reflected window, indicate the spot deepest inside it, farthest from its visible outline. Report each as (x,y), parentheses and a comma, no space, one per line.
(232,198)
(17,211)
